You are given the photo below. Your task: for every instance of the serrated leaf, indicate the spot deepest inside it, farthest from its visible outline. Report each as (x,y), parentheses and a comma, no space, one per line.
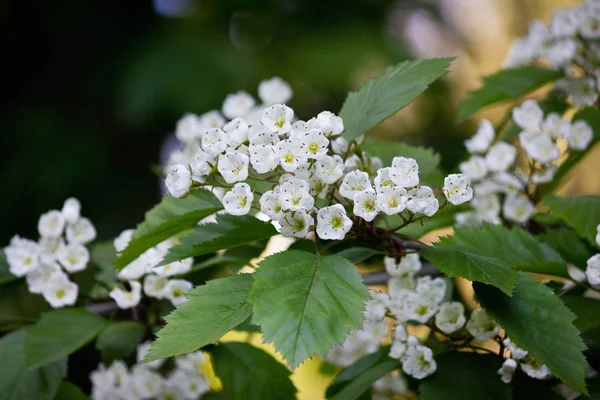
(568,244)
(229,231)
(17,382)
(305,303)
(539,322)
(211,311)
(170,217)
(465,376)
(119,340)
(506,84)
(59,333)
(492,254)
(69,391)
(357,254)
(581,213)
(391,91)
(427,159)
(356,379)
(250,373)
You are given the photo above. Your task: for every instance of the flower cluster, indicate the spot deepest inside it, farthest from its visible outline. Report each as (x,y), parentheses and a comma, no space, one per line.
(520,357)
(592,272)
(153,380)
(569,43)
(492,165)
(61,250)
(315,176)
(157,280)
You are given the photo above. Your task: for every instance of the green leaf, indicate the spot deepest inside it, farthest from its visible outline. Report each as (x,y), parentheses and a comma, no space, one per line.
(492,254)
(250,373)
(586,310)
(59,333)
(211,311)
(18,307)
(357,254)
(507,84)
(441,219)
(103,254)
(229,231)
(170,217)
(525,388)
(427,159)
(581,213)
(119,340)
(539,322)
(17,382)
(356,379)
(465,376)
(305,303)
(391,91)
(5,275)
(69,391)
(570,246)
(592,117)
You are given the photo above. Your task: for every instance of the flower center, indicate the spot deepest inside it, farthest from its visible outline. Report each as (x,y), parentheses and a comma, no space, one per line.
(279,123)
(60,293)
(242,200)
(313,147)
(370,205)
(336,222)
(289,158)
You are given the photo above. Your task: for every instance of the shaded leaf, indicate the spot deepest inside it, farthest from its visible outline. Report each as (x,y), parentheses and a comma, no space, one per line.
(581,213)
(357,254)
(19,307)
(570,246)
(587,311)
(119,340)
(5,275)
(69,391)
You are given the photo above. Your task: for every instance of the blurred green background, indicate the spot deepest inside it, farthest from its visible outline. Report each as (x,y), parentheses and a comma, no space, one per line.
(92,88)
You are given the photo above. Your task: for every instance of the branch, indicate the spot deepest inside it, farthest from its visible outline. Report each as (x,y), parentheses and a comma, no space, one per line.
(103,308)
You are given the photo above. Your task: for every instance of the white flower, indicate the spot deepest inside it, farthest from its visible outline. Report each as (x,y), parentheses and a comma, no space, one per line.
(404,172)
(389,385)
(274,90)
(515,352)
(179,180)
(51,224)
(59,291)
(331,125)
(142,351)
(419,307)
(482,327)
(73,257)
(376,307)
(71,210)
(398,349)
(238,200)
(237,104)
(291,154)
(190,362)
(421,200)
(528,115)
(127,299)
(354,182)
(418,362)
(294,194)
(517,208)
(487,208)
(564,22)
(269,204)
(435,289)
(237,132)
(49,248)
(544,175)
(23,256)
(170,391)
(176,290)
(508,183)
(535,369)
(263,158)
(482,139)
(81,231)
(38,278)
(410,264)
(233,166)
(214,141)
(500,157)
(277,118)
(122,241)
(593,270)
(539,146)
(147,382)
(330,168)
(392,200)
(383,179)
(555,126)
(174,268)
(507,370)
(598,235)
(188,129)
(450,317)
(201,165)
(154,286)
(475,168)
(339,145)
(314,144)
(135,269)
(192,385)
(258,136)
(365,205)
(296,223)
(332,222)
(457,189)
(580,135)
(210,120)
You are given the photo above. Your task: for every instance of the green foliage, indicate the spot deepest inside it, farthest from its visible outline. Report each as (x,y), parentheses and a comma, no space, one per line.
(211,311)
(305,303)
(465,376)
(5,275)
(119,340)
(228,232)
(18,307)
(506,84)
(59,333)
(441,219)
(103,255)
(69,391)
(17,381)
(586,310)
(492,254)
(250,373)
(427,159)
(356,379)
(357,254)
(170,217)
(538,321)
(581,213)
(391,91)
(570,246)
